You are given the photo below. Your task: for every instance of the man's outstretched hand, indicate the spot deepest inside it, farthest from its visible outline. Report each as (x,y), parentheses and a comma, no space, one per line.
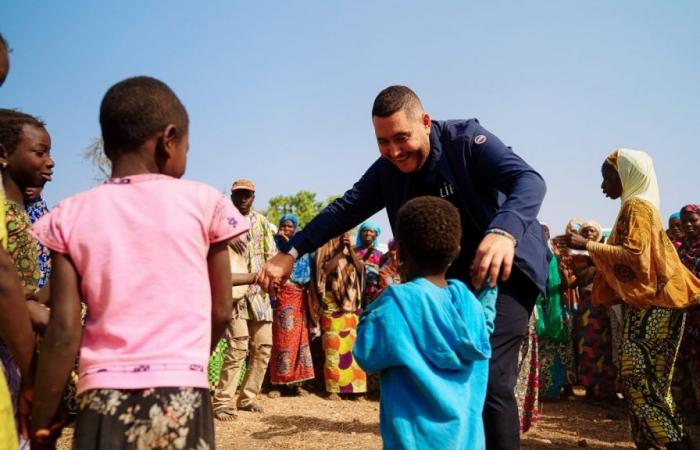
(493,257)
(275,272)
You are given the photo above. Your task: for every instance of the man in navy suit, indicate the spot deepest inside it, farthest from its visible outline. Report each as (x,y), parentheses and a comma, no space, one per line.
(498,195)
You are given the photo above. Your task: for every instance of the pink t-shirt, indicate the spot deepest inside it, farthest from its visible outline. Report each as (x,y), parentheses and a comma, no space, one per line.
(140,245)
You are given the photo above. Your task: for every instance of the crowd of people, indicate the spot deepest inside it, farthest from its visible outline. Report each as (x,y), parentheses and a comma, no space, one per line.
(149,306)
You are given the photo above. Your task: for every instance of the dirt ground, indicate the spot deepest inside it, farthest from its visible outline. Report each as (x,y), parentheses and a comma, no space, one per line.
(312,422)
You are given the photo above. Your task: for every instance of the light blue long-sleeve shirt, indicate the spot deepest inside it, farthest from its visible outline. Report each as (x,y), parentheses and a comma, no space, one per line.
(431,347)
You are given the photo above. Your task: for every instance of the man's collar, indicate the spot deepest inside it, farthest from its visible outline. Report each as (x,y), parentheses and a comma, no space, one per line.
(431,168)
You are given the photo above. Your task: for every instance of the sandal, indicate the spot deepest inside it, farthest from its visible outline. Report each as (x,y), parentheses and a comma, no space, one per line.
(227,414)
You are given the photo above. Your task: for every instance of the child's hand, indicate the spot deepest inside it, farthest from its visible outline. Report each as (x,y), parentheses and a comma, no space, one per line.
(42,440)
(238,245)
(39,314)
(46,438)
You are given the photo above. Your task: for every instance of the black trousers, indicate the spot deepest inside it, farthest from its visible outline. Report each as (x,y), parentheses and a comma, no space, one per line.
(515,301)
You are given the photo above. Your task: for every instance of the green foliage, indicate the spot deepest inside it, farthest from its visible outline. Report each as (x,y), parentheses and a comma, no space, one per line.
(304,204)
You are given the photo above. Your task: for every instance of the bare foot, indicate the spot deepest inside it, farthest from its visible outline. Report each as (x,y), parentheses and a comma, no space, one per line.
(334,397)
(274,394)
(251,407)
(360,398)
(301,392)
(226,415)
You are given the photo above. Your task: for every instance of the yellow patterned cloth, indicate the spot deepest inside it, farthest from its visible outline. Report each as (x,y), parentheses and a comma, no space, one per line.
(342,373)
(639,264)
(650,343)
(21,246)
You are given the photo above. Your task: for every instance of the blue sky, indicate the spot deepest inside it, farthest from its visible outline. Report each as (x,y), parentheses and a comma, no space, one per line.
(281,92)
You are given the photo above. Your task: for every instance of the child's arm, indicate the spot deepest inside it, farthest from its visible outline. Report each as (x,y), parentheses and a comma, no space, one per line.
(240,279)
(380,334)
(487,297)
(61,341)
(220,280)
(15,326)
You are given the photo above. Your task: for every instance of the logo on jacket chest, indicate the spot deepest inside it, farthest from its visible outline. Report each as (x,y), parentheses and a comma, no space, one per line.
(446,190)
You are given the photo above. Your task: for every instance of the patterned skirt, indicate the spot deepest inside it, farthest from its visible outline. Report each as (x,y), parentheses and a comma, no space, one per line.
(163,418)
(650,343)
(593,346)
(686,379)
(290,361)
(341,371)
(557,365)
(527,387)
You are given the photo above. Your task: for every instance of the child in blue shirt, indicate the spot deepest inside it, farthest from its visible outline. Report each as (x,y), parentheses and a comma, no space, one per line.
(429,338)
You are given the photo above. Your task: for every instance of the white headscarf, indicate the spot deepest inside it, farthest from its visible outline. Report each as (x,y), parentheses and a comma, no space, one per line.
(636,170)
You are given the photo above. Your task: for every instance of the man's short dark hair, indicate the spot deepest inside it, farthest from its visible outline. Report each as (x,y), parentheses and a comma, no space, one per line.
(394,99)
(11,124)
(133,110)
(429,230)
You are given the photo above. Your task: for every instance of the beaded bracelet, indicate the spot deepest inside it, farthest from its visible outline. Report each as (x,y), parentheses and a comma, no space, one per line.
(503,233)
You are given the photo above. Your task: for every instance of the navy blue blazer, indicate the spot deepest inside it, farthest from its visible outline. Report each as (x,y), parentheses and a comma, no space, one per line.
(496,188)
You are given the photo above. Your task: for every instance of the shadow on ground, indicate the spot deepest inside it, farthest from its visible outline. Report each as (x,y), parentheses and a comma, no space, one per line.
(577,424)
(291,425)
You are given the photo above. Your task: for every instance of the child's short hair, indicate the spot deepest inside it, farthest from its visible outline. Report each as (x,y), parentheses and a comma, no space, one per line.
(430,231)
(134,109)
(11,124)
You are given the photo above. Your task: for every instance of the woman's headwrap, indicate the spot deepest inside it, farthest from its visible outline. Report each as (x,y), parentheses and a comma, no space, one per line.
(574,225)
(290,217)
(367,225)
(596,226)
(676,215)
(690,209)
(636,170)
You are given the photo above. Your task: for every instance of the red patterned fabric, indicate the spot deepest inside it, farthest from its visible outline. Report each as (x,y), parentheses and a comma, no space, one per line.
(291,356)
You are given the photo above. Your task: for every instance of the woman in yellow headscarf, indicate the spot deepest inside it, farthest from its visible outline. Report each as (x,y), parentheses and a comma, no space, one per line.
(640,267)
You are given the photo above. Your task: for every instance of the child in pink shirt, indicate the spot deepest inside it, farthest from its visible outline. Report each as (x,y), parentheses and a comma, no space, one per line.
(147,253)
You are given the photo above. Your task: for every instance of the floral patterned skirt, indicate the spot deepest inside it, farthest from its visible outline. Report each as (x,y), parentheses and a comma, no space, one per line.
(527,387)
(291,355)
(155,418)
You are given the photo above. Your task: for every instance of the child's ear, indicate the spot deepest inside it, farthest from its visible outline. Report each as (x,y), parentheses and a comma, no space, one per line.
(170,136)
(165,146)
(4,155)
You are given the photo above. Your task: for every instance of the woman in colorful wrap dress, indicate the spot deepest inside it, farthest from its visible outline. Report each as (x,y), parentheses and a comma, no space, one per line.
(366,247)
(640,267)
(337,286)
(592,332)
(291,363)
(557,371)
(687,376)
